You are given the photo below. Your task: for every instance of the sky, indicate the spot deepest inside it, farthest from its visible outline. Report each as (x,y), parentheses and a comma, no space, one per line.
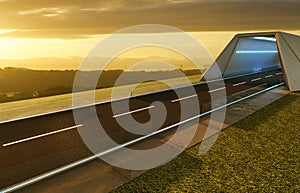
(33,33)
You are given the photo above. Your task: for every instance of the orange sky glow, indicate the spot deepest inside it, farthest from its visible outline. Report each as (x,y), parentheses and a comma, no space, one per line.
(58,34)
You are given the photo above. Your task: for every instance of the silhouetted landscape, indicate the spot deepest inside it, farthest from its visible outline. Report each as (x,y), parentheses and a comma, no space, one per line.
(22,83)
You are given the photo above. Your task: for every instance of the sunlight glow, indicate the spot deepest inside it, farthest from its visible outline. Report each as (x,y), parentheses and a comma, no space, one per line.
(4,31)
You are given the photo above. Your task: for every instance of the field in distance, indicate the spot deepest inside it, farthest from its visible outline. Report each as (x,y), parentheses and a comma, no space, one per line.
(23,108)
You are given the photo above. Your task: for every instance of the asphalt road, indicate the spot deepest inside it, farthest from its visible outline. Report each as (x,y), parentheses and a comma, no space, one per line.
(35,145)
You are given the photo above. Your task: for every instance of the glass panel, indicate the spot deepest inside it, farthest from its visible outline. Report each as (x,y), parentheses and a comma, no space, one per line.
(253,54)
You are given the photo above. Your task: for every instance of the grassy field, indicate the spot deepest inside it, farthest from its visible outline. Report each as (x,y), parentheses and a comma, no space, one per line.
(258,154)
(17,109)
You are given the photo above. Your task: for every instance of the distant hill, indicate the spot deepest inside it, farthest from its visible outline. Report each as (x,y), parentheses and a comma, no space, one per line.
(22,83)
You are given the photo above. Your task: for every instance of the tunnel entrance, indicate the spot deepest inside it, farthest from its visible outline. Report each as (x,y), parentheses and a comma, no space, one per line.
(253,55)
(258,53)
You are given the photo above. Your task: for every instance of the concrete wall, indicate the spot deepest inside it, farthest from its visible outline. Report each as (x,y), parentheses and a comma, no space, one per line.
(289,47)
(217,68)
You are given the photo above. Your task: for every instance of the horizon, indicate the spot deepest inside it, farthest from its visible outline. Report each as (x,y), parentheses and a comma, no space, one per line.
(72,62)
(33,32)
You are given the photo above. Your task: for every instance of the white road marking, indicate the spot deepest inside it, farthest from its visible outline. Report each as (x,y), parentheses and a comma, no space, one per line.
(218,89)
(42,135)
(184,98)
(120,99)
(54,172)
(256,79)
(269,76)
(241,83)
(134,111)
(279,73)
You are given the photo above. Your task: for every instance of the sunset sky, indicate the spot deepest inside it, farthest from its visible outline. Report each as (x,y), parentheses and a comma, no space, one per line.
(33,33)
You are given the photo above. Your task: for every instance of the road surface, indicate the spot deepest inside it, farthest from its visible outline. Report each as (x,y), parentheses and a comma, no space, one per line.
(35,145)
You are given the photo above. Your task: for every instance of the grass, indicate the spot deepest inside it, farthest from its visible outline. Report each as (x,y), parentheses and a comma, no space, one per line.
(258,154)
(17,109)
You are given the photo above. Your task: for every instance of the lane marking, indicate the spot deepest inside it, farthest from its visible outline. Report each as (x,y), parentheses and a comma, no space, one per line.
(236,76)
(269,76)
(279,73)
(256,79)
(88,159)
(218,89)
(241,83)
(125,98)
(42,135)
(134,111)
(184,98)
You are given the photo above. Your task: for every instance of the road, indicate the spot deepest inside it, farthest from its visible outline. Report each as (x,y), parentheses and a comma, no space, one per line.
(35,145)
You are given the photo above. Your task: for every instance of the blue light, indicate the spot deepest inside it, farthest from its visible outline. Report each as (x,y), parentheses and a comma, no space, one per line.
(256,51)
(257,69)
(265,39)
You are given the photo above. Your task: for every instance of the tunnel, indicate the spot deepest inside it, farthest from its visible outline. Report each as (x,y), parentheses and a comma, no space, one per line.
(257,53)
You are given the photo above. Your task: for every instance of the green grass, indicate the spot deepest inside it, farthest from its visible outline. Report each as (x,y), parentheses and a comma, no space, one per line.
(258,154)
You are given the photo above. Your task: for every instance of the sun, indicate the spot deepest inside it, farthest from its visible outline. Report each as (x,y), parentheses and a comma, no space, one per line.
(4,31)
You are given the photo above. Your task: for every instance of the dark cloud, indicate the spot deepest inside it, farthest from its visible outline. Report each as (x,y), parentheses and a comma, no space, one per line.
(79,19)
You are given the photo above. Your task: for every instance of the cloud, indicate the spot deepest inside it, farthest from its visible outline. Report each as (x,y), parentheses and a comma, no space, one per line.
(46,12)
(78,19)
